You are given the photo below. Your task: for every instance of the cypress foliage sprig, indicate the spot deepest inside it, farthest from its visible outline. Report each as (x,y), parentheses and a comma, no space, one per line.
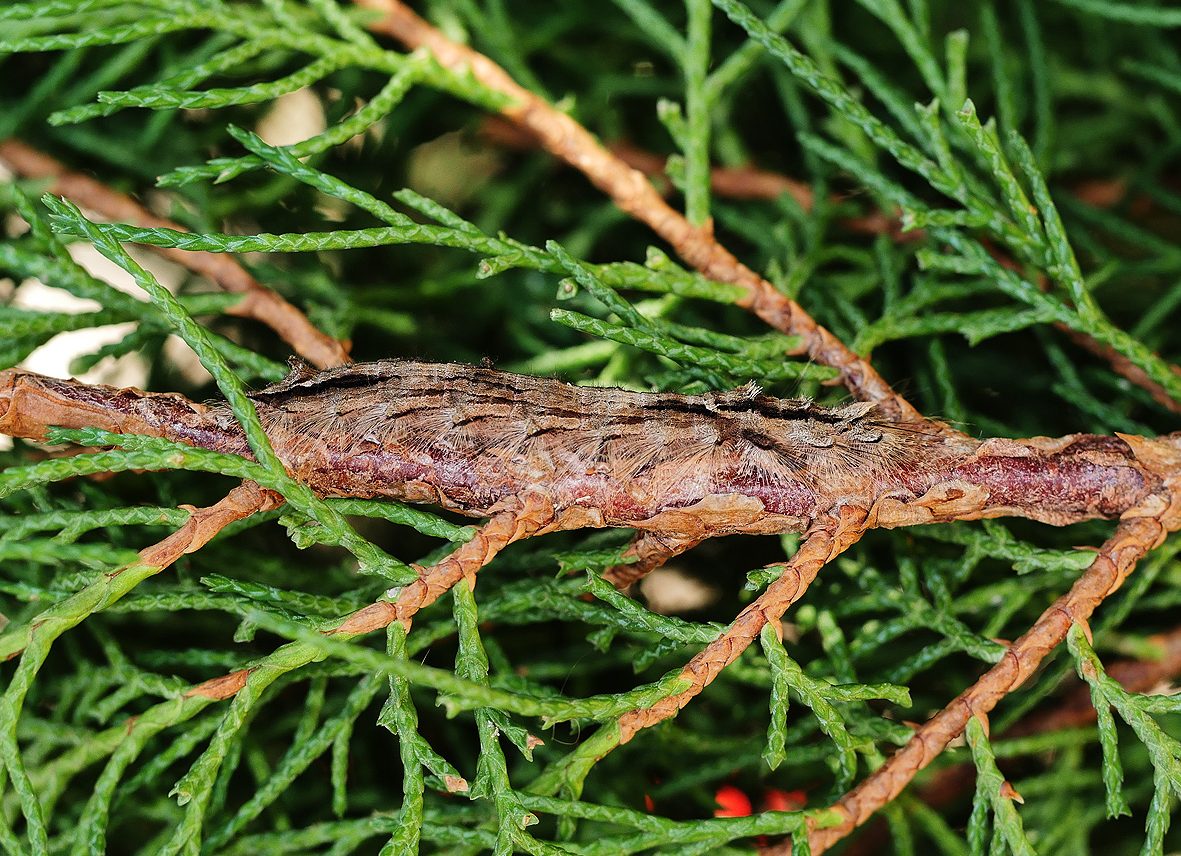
(980,201)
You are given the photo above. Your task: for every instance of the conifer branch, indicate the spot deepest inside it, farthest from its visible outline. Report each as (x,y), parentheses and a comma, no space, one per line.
(1116,559)
(259,302)
(564,138)
(994,253)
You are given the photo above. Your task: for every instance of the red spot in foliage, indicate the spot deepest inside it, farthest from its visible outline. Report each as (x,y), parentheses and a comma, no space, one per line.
(775,799)
(649,803)
(733,802)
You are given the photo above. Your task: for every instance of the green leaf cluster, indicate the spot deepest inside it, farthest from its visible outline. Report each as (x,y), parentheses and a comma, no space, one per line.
(974,133)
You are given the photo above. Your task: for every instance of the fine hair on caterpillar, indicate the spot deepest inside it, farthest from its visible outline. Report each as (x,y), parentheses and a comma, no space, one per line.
(643,452)
(475,441)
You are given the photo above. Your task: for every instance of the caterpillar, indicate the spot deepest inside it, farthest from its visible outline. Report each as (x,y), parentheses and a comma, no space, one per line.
(470,439)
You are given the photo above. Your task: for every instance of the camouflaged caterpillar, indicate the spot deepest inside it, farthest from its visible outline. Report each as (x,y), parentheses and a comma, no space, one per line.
(468,438)
(682,467)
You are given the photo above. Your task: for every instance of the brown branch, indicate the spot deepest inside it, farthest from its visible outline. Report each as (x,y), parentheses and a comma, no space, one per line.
(1138,533)
(1124,367)
(259,302)
(1075,711)
(741,182)
(904,474)
(566,139)
(531,517)
(203,524)
(744,182)
(650,550)
(828,537)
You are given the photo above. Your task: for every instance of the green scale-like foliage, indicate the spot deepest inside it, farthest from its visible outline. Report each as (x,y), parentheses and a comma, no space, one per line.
(400,227)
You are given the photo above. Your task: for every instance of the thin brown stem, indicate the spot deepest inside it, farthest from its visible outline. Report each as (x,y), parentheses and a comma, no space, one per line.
(530,517)
(649,550)
(566,139)
(1077,710)
(828,537)
(1125,368)
(1134,537)
(259,302)
(203,524)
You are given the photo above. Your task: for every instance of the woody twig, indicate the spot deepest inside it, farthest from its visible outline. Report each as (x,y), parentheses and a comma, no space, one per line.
(203,524)
(1076,710)
(532,516)
(1134,537)
(830,536)
(258,302)
(647,552)
(565,138)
